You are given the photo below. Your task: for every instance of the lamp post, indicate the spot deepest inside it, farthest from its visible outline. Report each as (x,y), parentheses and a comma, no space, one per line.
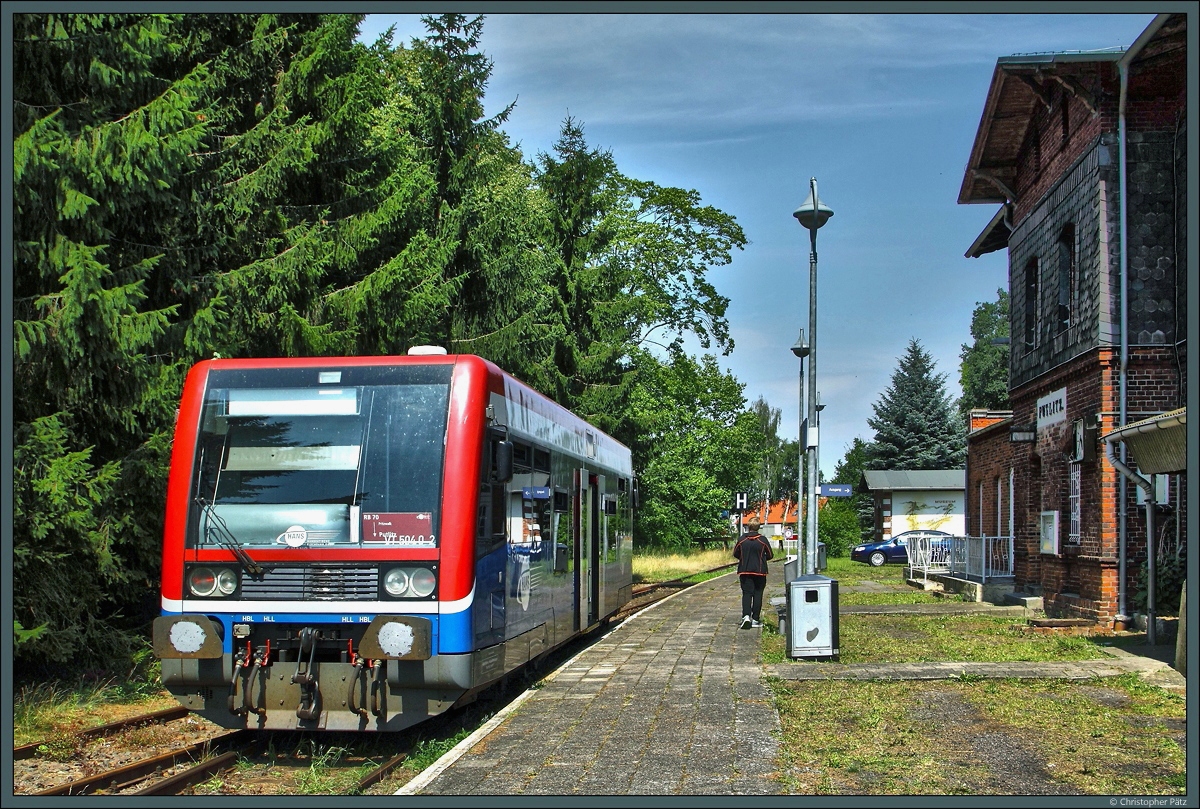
(800,349)
(812,214)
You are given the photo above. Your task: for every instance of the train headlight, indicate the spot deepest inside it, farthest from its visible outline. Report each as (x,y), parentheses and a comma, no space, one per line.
(422,582)
(409,582)
(226,581)
(202,582)
(396,582)
(206,582)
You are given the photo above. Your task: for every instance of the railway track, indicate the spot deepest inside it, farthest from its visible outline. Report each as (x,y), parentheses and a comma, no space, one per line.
(174,769)
(120,757)
(166,715)
(646,594)
(126,779)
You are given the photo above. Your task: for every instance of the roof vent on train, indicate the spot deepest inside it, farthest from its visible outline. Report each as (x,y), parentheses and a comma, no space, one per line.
(424,351)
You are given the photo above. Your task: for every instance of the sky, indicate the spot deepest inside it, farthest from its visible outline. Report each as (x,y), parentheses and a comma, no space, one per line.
(882,109)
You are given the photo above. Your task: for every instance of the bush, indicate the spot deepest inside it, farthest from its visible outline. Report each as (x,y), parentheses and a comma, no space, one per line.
(1169,576)
(838,528)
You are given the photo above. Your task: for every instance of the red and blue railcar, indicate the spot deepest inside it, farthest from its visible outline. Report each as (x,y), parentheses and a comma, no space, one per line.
(361,543)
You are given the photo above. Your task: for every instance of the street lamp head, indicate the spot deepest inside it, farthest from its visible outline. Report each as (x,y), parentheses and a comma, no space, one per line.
(812,213)
(800,349)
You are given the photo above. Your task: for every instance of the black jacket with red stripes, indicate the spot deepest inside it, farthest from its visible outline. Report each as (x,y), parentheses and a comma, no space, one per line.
(752,552)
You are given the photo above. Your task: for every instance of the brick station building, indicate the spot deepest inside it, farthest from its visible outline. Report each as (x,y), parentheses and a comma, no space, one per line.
(1085,153)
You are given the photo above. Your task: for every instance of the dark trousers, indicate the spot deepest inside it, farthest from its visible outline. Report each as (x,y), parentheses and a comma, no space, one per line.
(752,595)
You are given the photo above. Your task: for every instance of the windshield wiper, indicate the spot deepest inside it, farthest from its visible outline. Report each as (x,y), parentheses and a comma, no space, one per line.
(225,538)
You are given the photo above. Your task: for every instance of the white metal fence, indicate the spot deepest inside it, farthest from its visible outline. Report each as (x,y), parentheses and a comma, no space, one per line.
(978,558)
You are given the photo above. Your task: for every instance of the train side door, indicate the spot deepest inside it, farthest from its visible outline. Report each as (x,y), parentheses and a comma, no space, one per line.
(580,525)
(595,546)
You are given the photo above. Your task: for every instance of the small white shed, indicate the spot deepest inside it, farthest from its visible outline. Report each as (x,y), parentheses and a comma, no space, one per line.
(917,500)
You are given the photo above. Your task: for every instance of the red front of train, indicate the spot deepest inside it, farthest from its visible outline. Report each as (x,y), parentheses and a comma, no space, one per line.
(358,543)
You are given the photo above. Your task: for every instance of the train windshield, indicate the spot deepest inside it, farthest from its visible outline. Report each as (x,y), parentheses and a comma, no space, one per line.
(312,458)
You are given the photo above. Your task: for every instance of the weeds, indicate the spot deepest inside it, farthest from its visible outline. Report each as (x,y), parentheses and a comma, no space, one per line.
(429,751)
(318,779)
(930,638)
(68,707)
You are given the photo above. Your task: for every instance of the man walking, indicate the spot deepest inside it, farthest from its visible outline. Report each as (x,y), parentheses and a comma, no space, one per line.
(752,552)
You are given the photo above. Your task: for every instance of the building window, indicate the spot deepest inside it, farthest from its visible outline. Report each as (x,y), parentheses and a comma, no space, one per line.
(1067,283)
(999,505)
(1012,515)
(1074,479)
(1031,302)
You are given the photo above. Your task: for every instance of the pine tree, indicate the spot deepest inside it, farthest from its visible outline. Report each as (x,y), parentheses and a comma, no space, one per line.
(580,184)
(915,426)
(184,184)
(109,115)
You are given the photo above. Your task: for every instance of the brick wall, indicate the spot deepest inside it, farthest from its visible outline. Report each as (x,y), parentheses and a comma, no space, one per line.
(1068,182)
(1082,579)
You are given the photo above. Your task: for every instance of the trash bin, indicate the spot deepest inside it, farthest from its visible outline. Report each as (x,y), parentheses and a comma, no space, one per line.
(791,568)
(812,624)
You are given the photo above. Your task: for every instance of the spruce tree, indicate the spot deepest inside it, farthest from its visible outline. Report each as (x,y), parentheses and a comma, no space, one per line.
(914,423)
(109,114)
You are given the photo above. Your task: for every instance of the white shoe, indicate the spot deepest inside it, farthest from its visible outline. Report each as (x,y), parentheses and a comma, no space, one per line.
(745,622)
(755,624)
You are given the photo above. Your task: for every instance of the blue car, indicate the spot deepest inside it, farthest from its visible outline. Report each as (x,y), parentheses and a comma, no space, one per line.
(895,550)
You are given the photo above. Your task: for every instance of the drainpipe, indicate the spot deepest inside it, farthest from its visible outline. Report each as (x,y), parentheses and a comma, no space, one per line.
(1147,487)
(1123,492)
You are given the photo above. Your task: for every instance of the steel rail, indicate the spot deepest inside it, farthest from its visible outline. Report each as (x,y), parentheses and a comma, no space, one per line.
(165,715)
(132,773)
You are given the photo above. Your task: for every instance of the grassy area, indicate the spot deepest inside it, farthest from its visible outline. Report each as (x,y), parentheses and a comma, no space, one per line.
(1111,737)
(970,736)
(932,638)
(651,567)
(48,710)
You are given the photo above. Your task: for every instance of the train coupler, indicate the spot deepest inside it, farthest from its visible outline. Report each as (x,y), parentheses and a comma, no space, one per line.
(306,676)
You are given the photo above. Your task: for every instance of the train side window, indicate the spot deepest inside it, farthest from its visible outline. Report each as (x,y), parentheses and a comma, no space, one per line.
(490,520)
(541,460)
(610,505)
(522,458)
(562,502)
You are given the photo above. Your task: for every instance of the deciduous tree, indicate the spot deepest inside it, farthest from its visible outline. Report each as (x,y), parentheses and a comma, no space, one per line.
(983,373)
